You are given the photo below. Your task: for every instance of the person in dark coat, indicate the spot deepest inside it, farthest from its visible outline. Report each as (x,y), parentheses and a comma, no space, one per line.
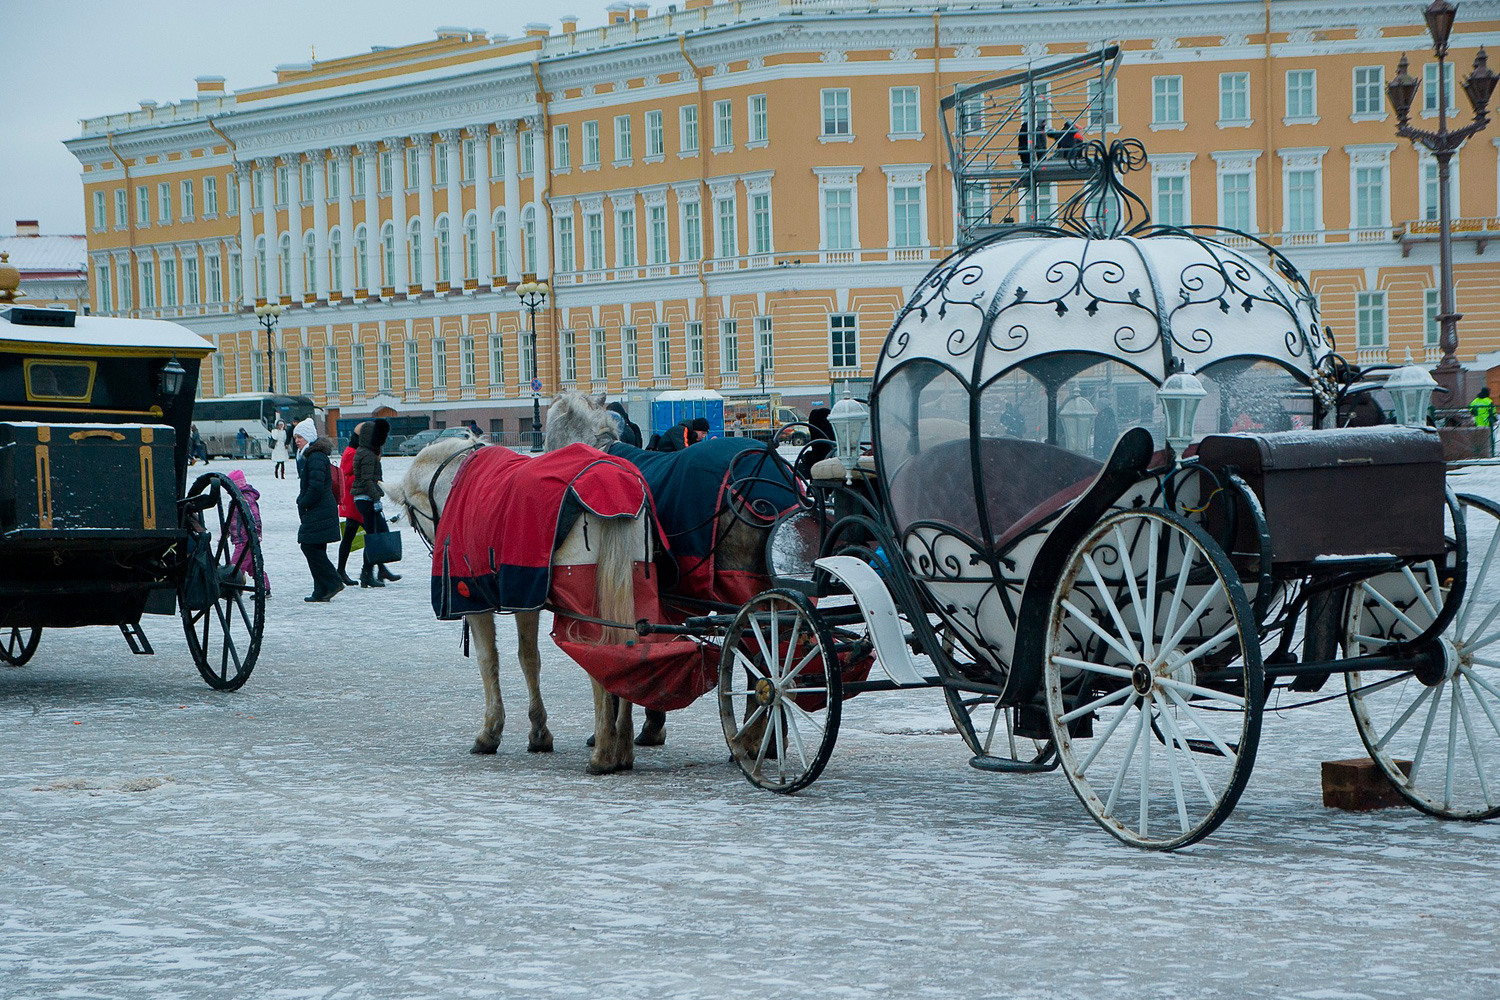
(347,510)
(317,510)
(366,490)
(684,435)
(821,445)
(630,433)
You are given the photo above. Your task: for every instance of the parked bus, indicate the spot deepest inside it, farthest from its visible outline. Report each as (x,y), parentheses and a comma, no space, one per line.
(219,420)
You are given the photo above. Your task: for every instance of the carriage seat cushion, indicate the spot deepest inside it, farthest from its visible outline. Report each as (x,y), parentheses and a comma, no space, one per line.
(1024,483)
(830,469)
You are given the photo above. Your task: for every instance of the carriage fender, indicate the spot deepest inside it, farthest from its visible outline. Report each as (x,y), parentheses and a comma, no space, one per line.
(880,614)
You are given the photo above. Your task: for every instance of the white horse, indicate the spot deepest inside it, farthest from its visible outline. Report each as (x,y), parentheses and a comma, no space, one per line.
(613,544)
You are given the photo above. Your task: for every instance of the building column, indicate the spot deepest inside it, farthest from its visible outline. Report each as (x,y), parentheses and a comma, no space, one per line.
(509,132)
(247,235)
(375,276)
(543,163)
(424,212)
(400,275)
(268,209)
(342,155)
(320,223)
(294,226)
(485,235)
(453,143)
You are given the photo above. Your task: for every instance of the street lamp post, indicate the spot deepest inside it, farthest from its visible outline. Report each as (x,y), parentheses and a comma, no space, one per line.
(269,315)
(532,294)
(1443,143)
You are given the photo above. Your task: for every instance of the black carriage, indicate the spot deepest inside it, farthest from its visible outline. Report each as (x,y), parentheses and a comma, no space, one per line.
(1106,512)
(97,523)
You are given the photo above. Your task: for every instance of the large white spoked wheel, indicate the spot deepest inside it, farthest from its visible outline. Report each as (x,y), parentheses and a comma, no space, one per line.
(780,691)
(17,645)
(1153,678)
(224,636)
(1436,733)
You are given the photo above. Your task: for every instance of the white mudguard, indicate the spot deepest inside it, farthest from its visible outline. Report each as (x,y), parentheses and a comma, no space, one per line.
(879,609)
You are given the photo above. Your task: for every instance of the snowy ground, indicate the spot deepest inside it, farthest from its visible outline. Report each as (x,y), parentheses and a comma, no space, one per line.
(324,833)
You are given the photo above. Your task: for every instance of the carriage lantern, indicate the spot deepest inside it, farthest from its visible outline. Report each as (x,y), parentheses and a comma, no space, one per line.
(848,418)
(1179,396)
(172,374)
(1077,418)
(1411,389)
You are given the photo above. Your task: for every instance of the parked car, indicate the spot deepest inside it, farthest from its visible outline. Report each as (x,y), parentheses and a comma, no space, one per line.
(418,441)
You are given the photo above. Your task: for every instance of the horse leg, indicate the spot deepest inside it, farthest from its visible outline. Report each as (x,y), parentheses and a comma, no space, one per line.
(653,730)
(624,728)
(605,758)
(539,740)
(482,633)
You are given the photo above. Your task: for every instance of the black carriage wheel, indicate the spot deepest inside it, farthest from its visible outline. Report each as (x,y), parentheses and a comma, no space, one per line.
(1153,652)
(17,644)
(224,638)
(1436,735)
(780,691)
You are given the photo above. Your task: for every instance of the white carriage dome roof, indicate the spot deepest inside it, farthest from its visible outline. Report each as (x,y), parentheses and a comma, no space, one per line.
(1156,301)
(108,334)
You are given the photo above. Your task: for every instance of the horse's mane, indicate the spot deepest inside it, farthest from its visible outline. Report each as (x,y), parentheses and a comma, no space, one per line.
(575,417)
(412,490)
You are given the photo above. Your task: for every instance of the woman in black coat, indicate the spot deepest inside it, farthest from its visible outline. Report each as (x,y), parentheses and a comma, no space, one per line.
(317,511)
(367,491)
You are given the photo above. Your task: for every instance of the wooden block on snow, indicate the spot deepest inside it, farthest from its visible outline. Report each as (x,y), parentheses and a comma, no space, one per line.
(1359,785)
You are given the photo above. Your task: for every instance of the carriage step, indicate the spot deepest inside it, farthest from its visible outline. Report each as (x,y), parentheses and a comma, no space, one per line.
(135,638)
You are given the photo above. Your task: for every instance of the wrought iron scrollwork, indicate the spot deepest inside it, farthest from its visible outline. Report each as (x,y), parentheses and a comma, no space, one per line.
(1106,208)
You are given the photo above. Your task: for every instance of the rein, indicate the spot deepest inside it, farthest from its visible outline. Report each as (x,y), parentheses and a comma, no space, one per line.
(412,512)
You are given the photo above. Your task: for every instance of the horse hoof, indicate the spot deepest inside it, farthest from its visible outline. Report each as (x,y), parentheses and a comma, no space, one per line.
(540,746)
(594,768)
(589,742)
(649,738)
(481,747)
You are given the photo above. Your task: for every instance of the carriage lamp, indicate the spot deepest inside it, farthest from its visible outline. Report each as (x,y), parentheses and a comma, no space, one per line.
(172,374)
(1411,389)
(848,418)
(1077,417)
(1179,396)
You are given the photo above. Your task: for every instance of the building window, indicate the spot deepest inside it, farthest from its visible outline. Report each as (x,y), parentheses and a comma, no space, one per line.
(598,361)
(444,238)
(1369,91)
(661,337)
(214,278)
(232,194)
(1103,106)
(838,218)
(497,359)
(466,362)
(497,227)
(760,130)
(100,213)
(528,152)
(101,281)
(687,127)
(905,112)
(1234,97)
(471,244)
(723,125)
(187,199)
(569,356)
(306,168)
(656,135)
(591,144)
(168,282)
(383,365)
(258,372)
(656,221)
(1236,201)
(335,189)
(260,265)
(528,357)
(357,365)
(1432,330)
(388,250)
(1430,88)
(562,153)
(357,175)
(1171,200)
(210,196)
(625,237)
(142,206)
(413,367)
(218,374)
(1166,100)
(282,377)
(190,293)
(1369,198)
(843,340)
(236,277)
(692,231)
(630,360)
(122,207)
(695,348)
(440,163)
(414,251)
(1369,318)
(387,173)
(765,346)
(468,159)
(497,155)
(439,363)
(413,156)
(593,230)
(906,216)
(127,288)
(336,259)
(309,262)
(1302,201)
(1301,94)
(726,228)
(306,359)
(760,223)
(528,239)
(284,261)
(835,102)
(729,346)
(622,139)
(282,186)
(331,369)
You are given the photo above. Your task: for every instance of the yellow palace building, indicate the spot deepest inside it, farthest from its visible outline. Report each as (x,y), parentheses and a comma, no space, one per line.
(739,196)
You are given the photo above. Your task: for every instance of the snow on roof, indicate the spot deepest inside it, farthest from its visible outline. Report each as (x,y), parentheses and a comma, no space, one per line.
(108,332)
(681,395)
(47,253)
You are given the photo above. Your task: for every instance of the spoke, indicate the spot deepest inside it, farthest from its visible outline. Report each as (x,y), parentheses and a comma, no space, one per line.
(796,633)
(765,744)
(1202,727)
(1192,759)
(1182,816)
(749,665)
(1206,646)
(989,737)
(1098,668)
(1452,744)
(1365,689)
(1484,706)
(1135,597)
(1175,685)
(1474,678)
(1135,737)
(785,684)
(1148,629)
(1416,758)
(1189,554)
(780,746)
(1410,709)
(768,655)
(1109,604)
(1384,601)
(1146,708)
(1110,731)
(1463,711)
(1417,587)
(759,711)
(1489,639)
(791,727)
(1090,624)
(1195,615)
(1484,568)
(1116,695)
(775,655)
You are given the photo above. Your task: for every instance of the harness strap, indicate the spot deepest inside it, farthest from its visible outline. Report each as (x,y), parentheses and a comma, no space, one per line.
(412,512)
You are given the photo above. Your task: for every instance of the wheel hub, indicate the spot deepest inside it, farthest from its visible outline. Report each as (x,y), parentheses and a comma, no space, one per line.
(765,691)
(1141,678)
(1443,662)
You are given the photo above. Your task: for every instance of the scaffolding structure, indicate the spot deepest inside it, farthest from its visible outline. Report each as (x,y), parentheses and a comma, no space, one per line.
(1009,141)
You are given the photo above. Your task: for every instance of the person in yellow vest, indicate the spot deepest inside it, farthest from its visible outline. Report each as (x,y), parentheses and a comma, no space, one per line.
(1483,408)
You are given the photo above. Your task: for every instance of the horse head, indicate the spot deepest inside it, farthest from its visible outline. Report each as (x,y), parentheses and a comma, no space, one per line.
(575,417)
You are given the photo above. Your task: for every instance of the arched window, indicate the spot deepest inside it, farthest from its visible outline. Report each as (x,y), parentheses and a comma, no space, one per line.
(284,260)
(528,239)
(471,244)
(414,250)
(361,257)
(502,263)
(310,261)
(444,273)
(388,249)
(260,264)
(335,259)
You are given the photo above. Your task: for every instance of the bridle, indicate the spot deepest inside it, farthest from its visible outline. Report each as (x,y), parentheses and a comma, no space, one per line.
(412,513)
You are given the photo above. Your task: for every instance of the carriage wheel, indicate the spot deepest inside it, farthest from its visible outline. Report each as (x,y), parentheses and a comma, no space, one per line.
(780,691)
(1154,679)
(17,645)
(1436,734)
(224,637)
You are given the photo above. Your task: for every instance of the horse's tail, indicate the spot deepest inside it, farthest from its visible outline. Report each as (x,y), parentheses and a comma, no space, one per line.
(615,577)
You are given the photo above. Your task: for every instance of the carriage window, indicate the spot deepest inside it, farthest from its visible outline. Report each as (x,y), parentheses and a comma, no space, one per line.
(1250,395)
(924,423)
(59,381)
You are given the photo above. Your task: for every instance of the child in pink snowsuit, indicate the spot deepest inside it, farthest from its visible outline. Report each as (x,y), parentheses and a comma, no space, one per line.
(238,534)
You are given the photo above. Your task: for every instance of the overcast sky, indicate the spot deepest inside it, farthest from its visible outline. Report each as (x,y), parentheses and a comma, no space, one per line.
(70,59)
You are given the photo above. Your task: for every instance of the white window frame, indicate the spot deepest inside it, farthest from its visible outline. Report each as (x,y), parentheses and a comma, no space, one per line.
(1363,160)
(836,115)
(562,152)
(627,234)
(1372,86)
(187,198)
(411,355)
(1238,164)
(569,342)
(358,373)
(656,137)
(164,203)
(439,351)
(624,142)
(439,165)
(384,368)
(497,360)
(1304,84)
(590,155)
(695,348)
(101,211)
(1168,169)
(726,225)
(843,180)
(594,247)
(906,113)
(1104,114)
(1298,161)
(661,351)
(1371,320)
(1234,100)
(331,377)
(307,378)
(468,364)
(630,353)
(687,130)
(1166,104)
(729,347)
(1430,89)
(1428,208)
(765,347)
(723,126)
(757,117)
(690,229)
(843,325)
(598,354)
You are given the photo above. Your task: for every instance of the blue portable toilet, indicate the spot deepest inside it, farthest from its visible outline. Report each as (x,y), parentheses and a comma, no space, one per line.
(676,405)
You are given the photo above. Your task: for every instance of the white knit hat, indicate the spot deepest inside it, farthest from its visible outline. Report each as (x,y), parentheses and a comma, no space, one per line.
(306,430)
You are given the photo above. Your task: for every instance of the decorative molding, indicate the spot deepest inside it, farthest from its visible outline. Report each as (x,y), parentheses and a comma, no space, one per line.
(837,176)
(758,182)
(1235,159)
(1170,164)
(1164,43)
(1033,49)
(588,90)
(906,173)
(1374,154)
(1235,40)
(1295,157)
(968,50)
(654,195)
(833,56)
(687,191)
(721,187)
